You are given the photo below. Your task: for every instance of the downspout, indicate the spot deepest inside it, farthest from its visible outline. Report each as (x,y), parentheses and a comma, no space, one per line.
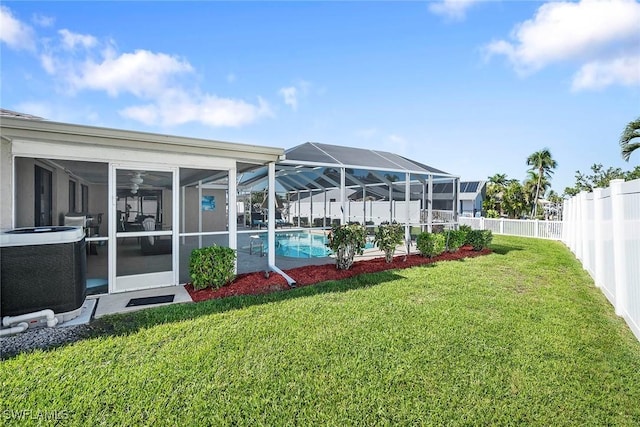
(271,226)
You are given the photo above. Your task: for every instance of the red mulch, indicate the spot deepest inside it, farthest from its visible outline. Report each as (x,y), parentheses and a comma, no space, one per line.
(256,283)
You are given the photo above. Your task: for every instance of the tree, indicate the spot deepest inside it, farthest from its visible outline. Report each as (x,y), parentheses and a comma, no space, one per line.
(600,178)
(495,190)
(542,162)
(631,133)
(514,201)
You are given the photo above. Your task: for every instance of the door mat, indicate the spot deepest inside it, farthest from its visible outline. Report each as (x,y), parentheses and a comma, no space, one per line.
(150,300)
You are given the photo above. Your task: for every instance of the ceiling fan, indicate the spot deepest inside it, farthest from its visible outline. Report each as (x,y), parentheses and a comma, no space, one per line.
(136,180)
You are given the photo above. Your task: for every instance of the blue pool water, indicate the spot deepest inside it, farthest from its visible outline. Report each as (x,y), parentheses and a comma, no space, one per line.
(302,245)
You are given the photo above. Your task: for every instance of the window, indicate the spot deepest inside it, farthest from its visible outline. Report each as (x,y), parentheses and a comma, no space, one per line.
(72,196)
(85,198)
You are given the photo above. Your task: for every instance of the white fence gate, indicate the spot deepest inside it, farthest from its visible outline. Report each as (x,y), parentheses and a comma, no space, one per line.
(603,230)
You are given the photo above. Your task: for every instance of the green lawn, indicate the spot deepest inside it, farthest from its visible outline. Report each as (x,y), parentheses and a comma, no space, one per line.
(517,337)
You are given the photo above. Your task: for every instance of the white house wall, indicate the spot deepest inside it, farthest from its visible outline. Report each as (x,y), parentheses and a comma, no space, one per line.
(6,184)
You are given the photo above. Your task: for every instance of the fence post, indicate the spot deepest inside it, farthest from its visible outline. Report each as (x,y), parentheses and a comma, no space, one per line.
(598,269)
(482,223)
(619,261)
(536,232)
(501,226)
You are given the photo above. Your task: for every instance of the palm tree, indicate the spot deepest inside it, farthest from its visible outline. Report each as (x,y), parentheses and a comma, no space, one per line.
(499,179)
(495,192)
(632,131)
(542,162)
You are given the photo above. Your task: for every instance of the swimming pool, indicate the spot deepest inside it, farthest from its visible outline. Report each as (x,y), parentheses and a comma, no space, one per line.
(302,245)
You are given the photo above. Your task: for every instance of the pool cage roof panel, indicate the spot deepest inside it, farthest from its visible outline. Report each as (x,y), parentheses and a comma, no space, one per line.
(340,156)
(314,166)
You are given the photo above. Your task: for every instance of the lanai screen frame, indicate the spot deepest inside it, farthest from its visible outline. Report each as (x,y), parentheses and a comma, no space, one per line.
(303,170)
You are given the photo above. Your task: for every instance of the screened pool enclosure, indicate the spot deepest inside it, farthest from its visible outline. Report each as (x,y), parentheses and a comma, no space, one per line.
(147,200)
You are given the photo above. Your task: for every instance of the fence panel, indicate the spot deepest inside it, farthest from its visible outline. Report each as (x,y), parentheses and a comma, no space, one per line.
(603,231)
(517,227)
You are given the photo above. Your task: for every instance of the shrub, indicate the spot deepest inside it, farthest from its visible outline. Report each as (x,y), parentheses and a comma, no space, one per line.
(212,266)
(488,237)
(346,241)
(479,239)
(430,244)
(454,239)
(387,237)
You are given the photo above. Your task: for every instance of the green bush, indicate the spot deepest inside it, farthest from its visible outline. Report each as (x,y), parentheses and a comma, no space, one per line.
(346,241)
(479,239)
(488,237)
(454,239)
(430,244)
(387,237)
(213,266)
(464,228)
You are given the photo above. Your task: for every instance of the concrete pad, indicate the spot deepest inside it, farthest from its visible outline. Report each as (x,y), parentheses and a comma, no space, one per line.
(116,303)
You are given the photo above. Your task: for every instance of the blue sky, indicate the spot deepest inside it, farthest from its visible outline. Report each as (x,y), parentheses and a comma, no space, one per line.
(470,87)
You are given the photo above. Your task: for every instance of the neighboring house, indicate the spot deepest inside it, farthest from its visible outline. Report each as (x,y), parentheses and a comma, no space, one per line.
(472,195)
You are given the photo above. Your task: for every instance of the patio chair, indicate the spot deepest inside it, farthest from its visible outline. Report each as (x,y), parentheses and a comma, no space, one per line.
(154,245)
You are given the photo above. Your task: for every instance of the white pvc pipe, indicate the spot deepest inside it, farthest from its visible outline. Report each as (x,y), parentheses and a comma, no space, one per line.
(20,327)
(288,278)
(51,318)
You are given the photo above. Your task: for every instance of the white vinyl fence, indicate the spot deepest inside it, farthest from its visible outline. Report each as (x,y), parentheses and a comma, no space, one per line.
(603,230)
(516,227)
(374,211)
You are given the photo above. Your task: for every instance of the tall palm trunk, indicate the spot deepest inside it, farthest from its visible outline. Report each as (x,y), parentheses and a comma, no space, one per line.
(535,201)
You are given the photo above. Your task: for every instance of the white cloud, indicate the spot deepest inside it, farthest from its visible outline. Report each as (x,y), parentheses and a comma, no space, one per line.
(290,95)
(178,107)
(141,73)
(15,33)
(452,9)
(71,40)
(603,33)
(42,20)
(600,74)
(293,94)
(162,83)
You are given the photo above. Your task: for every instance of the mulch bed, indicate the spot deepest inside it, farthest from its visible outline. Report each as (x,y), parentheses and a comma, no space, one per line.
(257,284)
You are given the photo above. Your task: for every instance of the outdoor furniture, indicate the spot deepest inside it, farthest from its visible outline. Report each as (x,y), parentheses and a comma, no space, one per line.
(154,245)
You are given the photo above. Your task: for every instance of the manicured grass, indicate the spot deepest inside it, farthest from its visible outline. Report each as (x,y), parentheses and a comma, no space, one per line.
(517,337)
